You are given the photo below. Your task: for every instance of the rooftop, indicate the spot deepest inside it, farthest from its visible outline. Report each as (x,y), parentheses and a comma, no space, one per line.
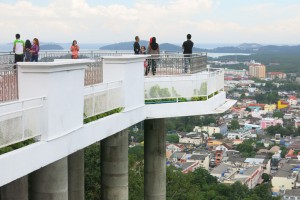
(284,171)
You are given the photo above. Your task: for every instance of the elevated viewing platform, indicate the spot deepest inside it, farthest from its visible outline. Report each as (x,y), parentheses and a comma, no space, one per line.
(67,105)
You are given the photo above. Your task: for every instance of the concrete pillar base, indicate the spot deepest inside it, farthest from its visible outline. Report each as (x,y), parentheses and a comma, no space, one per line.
(114,167)
(50,182)
(16,190)
(155,159)
(76,175)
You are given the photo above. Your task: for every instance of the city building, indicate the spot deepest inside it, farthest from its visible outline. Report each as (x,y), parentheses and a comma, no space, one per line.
(274,75)
(257,70)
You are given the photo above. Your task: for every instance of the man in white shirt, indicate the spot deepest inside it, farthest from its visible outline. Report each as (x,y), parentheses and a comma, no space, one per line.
(19,47)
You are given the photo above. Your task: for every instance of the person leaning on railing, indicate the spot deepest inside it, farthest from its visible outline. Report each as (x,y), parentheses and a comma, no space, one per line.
(187,47)
(153,50)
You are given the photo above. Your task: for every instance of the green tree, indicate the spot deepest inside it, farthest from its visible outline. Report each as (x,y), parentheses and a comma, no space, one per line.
(234,124)
(247,148)
(278,114)
(172,138)
(92,171)
(218,135)
(265,177)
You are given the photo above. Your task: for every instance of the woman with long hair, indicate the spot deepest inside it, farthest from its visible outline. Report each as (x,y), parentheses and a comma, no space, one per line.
(153,49)
(27,51)
(74,49)
(35,48)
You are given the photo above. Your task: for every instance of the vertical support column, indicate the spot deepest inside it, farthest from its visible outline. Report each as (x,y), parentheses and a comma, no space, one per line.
(114,167)
(18,189)
(155,159)
(50,182)
(76,175)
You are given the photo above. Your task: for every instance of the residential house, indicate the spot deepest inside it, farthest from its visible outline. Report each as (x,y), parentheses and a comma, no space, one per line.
(203,160)
(297,122)
(189,166)
(281,104)
(292,101)
(195,138)
(270,107)
(174,147)
(266,122)
(212,129)
(291,194)
(212,144)
(178,157)
(219,154)
(285,178)
(227,174)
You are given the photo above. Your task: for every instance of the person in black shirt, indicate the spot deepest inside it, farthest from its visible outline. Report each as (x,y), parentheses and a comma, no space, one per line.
(136,45)
(187,47)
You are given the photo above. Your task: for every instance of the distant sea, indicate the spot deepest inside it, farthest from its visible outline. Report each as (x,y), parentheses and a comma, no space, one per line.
(216,55)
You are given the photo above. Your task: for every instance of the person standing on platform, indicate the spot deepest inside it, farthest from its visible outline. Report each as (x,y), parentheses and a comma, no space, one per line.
(27,51)
(19,48)
(187,47)
(136,45)
(153,49)
(35,50)
(74,49)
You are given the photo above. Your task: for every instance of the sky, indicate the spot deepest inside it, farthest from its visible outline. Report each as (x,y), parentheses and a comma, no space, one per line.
(112,21)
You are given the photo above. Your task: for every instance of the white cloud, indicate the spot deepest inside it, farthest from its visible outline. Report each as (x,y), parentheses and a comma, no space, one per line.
(169,21)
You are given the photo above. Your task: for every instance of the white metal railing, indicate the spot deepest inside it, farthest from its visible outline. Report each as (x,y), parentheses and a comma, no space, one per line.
(175,64)
(177,89)
(21,120)
(101,98)
(166,63)
(94,72)
(8,83)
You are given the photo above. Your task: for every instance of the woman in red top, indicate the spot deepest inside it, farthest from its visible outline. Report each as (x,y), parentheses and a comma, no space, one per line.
(74,49)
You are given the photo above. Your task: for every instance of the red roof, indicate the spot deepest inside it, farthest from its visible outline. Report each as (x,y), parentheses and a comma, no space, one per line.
(293,98)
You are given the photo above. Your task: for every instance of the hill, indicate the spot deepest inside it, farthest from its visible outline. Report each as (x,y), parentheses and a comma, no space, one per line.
(51,47)
(129,46)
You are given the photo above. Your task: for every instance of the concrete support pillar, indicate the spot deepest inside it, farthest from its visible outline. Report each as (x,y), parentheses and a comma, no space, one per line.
(16,190)
(155,159)
(76,175)
(50,182)
(114,167)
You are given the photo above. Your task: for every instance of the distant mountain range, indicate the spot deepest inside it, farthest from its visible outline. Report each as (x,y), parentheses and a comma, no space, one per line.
(51,47)
(248,48)
(242,48)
